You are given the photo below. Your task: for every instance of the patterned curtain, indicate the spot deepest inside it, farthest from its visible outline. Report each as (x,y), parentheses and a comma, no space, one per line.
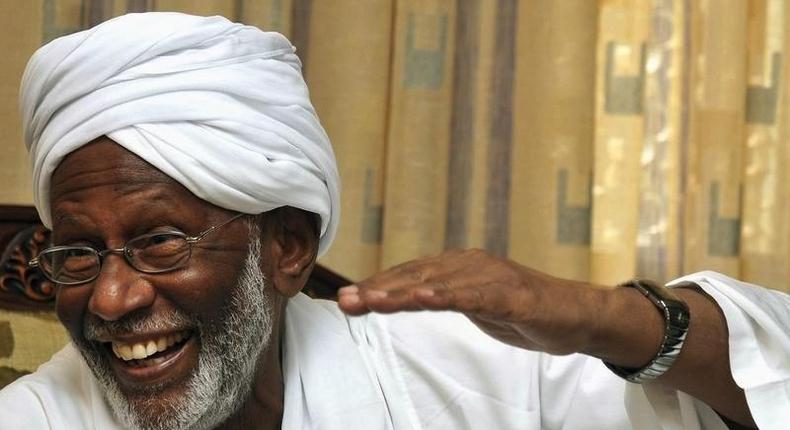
(592,140)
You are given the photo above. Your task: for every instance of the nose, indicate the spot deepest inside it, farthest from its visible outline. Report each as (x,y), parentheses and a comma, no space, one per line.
(119,290)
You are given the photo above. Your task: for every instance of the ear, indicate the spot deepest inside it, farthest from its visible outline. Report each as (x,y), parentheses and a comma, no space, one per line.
(293,248)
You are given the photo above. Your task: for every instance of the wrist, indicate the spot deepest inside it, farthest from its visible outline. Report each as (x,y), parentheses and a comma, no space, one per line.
(676,316)
(628,331)
(570,316)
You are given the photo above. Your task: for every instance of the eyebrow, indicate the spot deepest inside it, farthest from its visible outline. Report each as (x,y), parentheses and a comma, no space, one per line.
(156,200)
(65,218)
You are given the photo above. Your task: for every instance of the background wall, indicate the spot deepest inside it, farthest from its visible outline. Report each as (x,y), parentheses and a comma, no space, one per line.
(594,140)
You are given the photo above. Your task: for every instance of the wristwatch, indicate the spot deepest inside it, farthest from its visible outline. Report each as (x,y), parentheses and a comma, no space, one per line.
(676,325)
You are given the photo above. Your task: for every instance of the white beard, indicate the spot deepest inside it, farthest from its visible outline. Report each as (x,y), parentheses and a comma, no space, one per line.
(227,359)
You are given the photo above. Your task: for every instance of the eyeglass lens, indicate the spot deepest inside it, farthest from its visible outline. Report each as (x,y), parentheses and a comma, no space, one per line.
(151,253)
(70,265)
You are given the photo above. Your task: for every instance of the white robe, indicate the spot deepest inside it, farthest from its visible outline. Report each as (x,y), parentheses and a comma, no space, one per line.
(438,371)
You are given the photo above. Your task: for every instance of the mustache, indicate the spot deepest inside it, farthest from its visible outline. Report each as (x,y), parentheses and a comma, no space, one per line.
(95,328)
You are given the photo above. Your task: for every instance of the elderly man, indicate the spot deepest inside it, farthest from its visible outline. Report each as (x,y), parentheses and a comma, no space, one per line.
(190,187)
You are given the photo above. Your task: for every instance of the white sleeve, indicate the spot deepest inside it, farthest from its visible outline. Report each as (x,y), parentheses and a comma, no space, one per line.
(758,320)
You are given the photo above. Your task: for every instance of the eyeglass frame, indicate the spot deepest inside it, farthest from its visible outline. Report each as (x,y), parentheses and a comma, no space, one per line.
(127,252)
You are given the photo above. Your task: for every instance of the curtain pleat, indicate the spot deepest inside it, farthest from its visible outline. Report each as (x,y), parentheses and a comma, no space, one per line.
(348,72)
(717,129)
(552,165)
(418,134)
(765,249)
(619,131)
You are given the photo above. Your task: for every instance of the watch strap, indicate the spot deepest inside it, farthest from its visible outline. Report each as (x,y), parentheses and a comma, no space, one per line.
(676,324)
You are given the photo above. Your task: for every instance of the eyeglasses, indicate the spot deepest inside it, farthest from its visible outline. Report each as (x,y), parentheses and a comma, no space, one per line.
(156,252)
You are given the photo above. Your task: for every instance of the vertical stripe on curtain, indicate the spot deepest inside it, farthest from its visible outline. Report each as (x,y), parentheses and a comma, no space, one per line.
(419,130)
(619,130)
(717,108)
(348,72)
(552,159)
(765,248)
(660,196)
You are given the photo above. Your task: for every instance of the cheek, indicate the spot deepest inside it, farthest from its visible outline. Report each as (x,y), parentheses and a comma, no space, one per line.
(71,303)
(201,289)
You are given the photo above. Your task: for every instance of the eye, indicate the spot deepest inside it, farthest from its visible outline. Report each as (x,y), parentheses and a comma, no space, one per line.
(78,260)
(159,244)
(160,239)
(69,262)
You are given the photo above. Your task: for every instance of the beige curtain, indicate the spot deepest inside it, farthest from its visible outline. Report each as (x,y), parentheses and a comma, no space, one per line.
(593,140)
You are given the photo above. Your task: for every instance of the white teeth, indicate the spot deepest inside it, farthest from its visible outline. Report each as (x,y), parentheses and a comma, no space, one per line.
(150,349)
(125,352)
(140,350)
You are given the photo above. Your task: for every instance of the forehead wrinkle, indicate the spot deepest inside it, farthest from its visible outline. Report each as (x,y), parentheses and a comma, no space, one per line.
(103,162)
(143,191)
(102,174)
(65,219)
(123,179)
(68,216)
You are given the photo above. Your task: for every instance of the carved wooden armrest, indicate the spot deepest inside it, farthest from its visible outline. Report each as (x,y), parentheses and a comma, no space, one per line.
(22,286)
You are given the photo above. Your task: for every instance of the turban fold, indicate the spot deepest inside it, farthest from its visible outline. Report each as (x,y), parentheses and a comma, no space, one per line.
(220,107)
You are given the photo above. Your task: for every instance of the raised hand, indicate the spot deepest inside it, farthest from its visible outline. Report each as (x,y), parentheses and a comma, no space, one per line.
(510,302)
(532,310)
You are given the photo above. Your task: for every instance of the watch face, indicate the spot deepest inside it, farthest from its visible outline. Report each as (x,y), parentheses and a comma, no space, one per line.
(679,316)
(676,311)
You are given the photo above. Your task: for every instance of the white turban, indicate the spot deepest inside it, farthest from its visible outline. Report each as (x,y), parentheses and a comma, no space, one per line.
(222,108)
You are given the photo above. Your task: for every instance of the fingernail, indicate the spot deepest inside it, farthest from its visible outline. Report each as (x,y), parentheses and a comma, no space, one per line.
(349,299)
(426,293)
(351,289)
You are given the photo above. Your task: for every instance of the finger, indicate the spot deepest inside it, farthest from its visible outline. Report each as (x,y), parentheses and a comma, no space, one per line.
(356,301)
(459,289)
(418,271)
(470,300)
(495,301)
(349,301)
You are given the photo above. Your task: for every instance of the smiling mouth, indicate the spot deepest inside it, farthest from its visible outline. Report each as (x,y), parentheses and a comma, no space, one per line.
(149,352)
